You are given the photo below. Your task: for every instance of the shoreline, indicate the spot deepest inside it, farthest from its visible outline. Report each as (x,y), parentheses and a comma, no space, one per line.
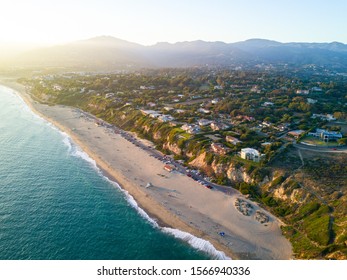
(175,201)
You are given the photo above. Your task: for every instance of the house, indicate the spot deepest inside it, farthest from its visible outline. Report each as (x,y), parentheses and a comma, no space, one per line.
(202,110)
(219,126)
(218,87)
(204,122)
(255,89)
(215,101)
(245,118)
(191,128)
(283,126)
(266,124)
(109,95)
(311,101)
(250,154)
(327,117)
(232,140)
(148,112)
(219,148)
(145,87)
(266,144)
(151,104)
(326,135)
(302,91)
(165,118)
(57,87)
(167,108)
(180,111)
(268,104)
(316,89)
(296,133)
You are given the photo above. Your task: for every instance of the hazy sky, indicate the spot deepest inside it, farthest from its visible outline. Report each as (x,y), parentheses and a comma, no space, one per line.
(151,21)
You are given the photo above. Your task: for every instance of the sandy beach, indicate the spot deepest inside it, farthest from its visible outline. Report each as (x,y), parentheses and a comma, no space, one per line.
(174,199)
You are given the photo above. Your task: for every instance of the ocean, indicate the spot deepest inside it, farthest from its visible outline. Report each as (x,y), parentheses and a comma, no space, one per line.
(55,204)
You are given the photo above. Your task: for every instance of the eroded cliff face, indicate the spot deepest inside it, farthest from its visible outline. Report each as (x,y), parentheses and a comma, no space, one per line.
(199,161)
(238,174)
(173,147)
(230,170)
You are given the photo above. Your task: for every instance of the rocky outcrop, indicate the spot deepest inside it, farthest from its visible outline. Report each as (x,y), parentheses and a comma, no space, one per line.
(238,174)
(231,171)
(157,135)
(146,128)
(173,148)
(199,161)
(280,193)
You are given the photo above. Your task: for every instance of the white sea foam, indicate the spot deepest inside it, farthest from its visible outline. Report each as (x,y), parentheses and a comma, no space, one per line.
(197,243)
(76,151)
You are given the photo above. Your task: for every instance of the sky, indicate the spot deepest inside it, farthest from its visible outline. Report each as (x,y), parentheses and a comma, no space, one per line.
(150,21)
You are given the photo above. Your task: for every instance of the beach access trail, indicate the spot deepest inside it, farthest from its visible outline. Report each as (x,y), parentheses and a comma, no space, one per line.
(173,199)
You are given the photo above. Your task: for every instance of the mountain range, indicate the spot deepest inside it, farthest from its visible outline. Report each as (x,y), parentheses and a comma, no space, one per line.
(107,53)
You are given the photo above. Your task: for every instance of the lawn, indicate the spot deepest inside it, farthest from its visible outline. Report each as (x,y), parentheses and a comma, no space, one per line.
(316,142)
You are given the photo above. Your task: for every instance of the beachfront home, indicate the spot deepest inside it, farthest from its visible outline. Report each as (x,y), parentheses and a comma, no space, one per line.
(219,126)
(326,135)
(219,148)
(250,154)
(204,122)
(191,128)
(205,111)
(232,140)
(165,118)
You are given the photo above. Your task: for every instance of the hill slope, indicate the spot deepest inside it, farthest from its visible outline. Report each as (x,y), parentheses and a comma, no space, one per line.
(104,53)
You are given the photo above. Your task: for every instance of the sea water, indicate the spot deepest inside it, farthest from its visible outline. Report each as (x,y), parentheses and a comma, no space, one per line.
(56,204)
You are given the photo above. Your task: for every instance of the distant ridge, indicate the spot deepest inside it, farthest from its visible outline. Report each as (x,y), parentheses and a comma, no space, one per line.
(106,52)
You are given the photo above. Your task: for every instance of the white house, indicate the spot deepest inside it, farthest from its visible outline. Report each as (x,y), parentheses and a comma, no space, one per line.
(327,117)
(202,110)
(166,118)
(250,154)
(268,104)
(191,128)
(302,91)
(204,122)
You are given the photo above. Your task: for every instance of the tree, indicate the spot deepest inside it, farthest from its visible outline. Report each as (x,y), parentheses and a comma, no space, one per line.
(342,141)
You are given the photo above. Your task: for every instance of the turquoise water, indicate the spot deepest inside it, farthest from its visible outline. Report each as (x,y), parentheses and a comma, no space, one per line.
(55,203)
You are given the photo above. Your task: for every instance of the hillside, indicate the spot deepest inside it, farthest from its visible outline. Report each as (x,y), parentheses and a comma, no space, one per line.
(109,53)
